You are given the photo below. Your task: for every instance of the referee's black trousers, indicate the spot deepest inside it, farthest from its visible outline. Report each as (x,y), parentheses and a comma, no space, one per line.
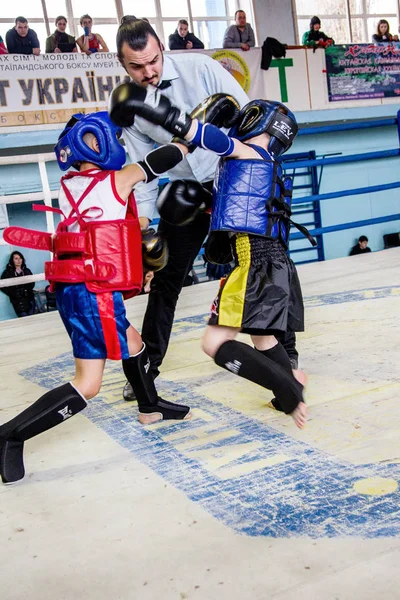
(184,244)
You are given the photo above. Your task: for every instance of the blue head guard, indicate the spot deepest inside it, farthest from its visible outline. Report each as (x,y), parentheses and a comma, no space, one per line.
(71,148)
(263,116)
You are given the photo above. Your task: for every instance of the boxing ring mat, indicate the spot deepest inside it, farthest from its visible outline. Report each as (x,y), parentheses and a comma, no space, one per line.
(236,503)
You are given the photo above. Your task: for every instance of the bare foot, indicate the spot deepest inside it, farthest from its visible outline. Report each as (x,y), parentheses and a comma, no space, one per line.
(299,415)
(300,376)
(148,419)
(154,417)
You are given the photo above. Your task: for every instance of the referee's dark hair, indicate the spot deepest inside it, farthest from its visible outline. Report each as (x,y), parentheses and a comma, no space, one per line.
(135,34)
(127,18)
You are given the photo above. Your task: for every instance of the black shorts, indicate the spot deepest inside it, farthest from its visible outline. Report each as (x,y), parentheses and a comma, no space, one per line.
(262,295)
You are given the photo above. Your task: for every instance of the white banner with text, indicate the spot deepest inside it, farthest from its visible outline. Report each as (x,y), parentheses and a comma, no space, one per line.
(48,89)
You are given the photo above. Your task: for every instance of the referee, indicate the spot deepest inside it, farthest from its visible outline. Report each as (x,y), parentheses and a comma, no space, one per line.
(186,79)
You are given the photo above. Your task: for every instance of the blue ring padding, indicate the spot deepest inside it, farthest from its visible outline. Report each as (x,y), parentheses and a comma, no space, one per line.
(344,193)
(347,126)
(337,160)
(352,225)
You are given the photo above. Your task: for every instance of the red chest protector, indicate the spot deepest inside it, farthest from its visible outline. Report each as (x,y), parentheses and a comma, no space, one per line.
(105,255)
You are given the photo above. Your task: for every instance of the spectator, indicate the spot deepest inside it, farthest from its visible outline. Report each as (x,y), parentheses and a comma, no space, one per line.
(182,39)
(315,38)
(21,296)
(240,35)
(22,40)
(90,42)
(60,41)
(361,247)
(383,34)
(3,49)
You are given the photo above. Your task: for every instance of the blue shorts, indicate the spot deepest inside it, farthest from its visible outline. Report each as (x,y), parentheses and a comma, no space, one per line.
(96,323)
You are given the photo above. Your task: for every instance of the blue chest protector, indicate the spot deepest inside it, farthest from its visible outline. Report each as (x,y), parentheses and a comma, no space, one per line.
(250,196)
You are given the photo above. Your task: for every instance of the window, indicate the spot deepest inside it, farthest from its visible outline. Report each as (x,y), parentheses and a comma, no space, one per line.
(317,7)
(40,30)
(23,8)
(139,9)
(208,18)
(338,30)
(211,33)
(380,6)
(169,27)
(54,9)
(94,8)
(357,30)
(363,18)
(171,8)
(109,34)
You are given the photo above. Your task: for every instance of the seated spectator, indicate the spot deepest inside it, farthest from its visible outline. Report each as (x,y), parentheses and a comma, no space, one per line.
(3,49)
(90,42)
(21,39)
(240,35)
(315,38)
(181,39)
(21,296)
(383,34)
(60,41)
(361,247)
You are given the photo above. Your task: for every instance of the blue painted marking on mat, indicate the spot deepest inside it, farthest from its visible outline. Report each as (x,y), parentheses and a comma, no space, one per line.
(308,494)
(198,322)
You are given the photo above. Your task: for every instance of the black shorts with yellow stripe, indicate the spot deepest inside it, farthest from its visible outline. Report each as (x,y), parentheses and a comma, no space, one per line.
(262,295)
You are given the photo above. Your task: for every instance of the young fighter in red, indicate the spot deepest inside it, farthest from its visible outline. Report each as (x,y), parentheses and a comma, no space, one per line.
(97,261)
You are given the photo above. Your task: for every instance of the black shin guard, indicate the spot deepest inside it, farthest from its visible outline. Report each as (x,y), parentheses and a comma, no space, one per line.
(50,410)
(247,362)
(288,341)
(279,355)
(138,372)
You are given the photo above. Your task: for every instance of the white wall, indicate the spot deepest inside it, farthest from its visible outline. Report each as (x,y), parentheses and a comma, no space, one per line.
(274,18)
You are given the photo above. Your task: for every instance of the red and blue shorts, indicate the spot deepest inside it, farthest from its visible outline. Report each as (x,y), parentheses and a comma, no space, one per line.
(96,323)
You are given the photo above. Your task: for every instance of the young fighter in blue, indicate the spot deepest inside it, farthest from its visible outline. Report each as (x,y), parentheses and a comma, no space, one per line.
(251,217)
(97,261)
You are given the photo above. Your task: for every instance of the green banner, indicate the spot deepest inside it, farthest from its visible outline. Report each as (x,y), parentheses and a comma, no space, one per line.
(359,71)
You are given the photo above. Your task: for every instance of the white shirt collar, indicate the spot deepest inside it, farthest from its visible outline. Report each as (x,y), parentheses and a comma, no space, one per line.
(169,71)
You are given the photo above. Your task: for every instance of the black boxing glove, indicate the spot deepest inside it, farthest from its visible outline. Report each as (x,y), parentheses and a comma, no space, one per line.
(129,99)
(220,110)
(218,249)
(154,250)
(181,201)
